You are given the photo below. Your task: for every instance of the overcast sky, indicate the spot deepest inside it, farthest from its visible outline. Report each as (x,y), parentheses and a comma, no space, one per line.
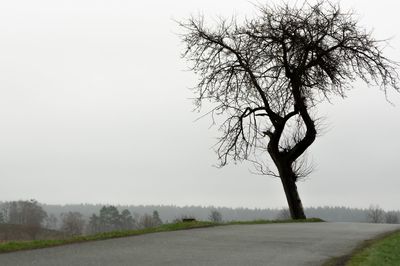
(94,108)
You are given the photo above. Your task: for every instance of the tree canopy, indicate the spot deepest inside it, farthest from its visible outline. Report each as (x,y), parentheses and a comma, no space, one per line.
(266,75)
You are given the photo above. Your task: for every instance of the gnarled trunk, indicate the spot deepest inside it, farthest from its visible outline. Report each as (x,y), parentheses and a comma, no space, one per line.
(283,161)
(288,179)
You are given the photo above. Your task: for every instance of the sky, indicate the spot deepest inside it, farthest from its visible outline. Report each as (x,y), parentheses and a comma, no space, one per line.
(95,108)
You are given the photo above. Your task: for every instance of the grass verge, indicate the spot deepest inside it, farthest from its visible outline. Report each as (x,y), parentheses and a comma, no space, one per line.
(310,220)
(35,244)
(382,250)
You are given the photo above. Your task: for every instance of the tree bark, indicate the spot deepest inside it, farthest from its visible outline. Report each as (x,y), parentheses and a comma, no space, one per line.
(288,179)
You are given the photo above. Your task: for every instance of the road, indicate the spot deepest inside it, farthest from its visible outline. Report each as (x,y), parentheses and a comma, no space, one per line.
(269,244)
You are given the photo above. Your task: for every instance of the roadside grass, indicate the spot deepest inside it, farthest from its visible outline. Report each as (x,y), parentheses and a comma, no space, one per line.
(385,251)
(36,244)
(309,220)
(382,250)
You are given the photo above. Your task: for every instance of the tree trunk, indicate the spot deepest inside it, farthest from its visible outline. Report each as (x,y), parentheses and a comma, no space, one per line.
(288,179)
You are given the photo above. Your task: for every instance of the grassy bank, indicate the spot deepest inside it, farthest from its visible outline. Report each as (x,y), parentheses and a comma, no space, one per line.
(310,220)
(384,251)
(35,244)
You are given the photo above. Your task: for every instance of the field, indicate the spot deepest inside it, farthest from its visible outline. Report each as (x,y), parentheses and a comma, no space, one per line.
(16,232)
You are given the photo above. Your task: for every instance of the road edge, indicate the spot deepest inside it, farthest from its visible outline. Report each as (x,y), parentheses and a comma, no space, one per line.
(344,259)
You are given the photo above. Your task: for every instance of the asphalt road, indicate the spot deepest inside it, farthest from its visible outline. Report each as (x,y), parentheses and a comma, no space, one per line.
(272,244)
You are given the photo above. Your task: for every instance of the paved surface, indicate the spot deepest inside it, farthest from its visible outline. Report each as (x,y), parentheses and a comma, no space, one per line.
(273,244)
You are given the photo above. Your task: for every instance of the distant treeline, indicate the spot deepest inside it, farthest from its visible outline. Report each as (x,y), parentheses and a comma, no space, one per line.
(28,220)
(129,216)
(169,213)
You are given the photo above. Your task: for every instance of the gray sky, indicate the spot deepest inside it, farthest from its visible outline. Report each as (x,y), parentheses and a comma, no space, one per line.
(94,108)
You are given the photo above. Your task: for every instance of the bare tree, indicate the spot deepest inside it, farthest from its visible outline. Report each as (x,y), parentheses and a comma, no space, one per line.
(23,212)
(392,217)
(146,221)
(284,214)
(72,223)
(215,216)
(375,214)
(265,77)
(27,213)
(50,222)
